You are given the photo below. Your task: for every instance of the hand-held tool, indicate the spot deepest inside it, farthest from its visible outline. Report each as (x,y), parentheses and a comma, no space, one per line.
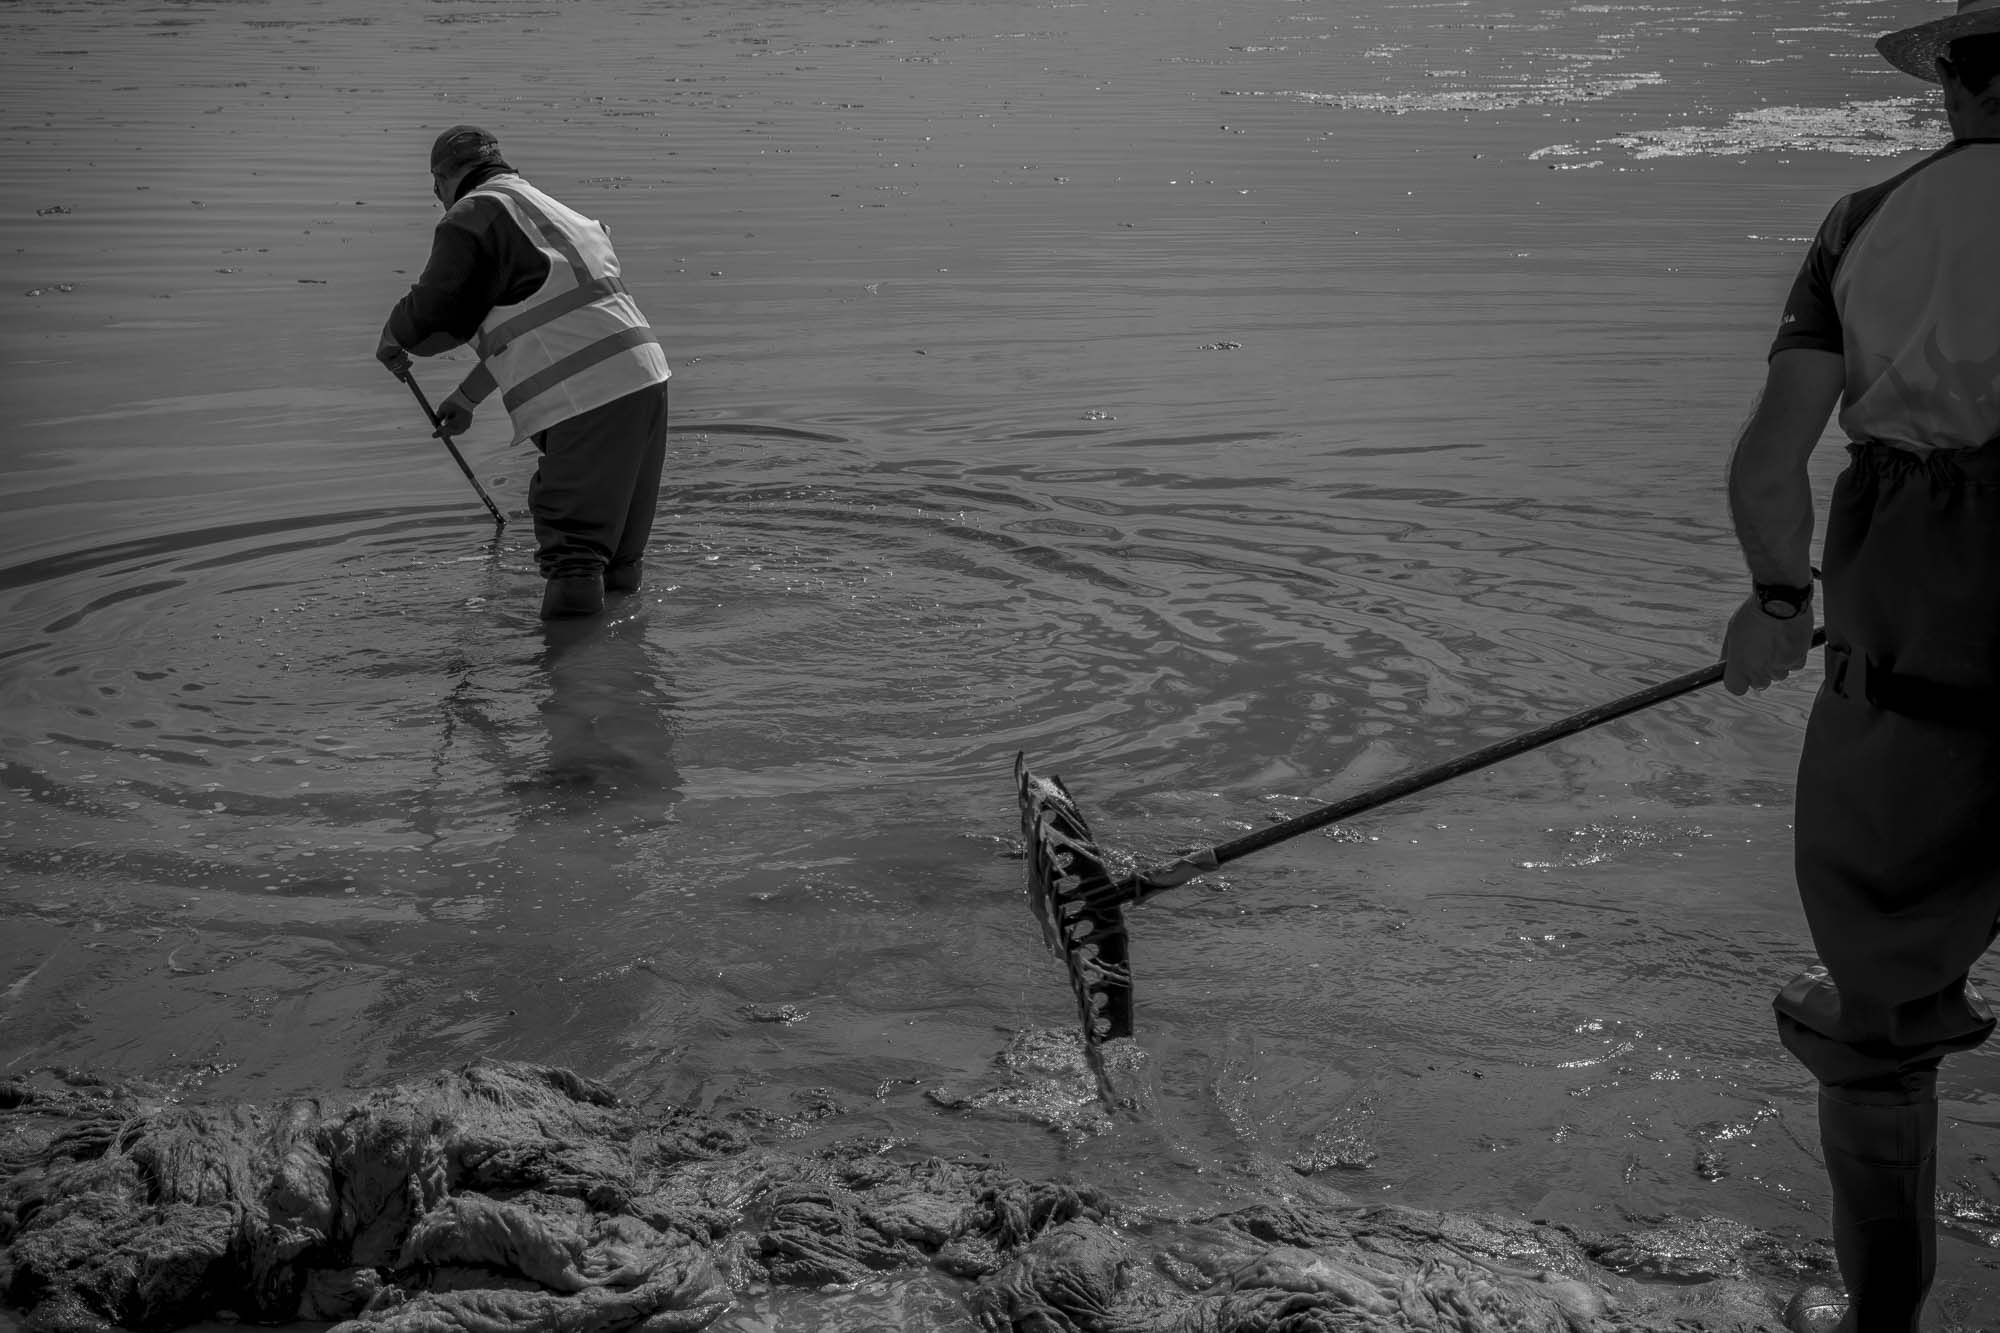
(437,429)
(1081,907)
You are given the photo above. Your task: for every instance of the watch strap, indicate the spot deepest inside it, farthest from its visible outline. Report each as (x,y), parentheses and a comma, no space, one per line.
(1785,594)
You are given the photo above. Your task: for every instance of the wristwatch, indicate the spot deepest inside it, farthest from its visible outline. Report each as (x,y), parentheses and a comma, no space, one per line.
(1782,601)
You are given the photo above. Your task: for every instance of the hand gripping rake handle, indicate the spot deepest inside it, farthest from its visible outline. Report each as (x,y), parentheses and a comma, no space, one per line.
(437,429)
(1141,885)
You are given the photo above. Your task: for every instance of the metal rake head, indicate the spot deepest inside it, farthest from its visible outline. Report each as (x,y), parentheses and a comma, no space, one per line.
(1081,911)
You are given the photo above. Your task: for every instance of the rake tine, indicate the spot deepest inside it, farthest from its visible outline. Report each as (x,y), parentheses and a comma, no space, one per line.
(1066,882)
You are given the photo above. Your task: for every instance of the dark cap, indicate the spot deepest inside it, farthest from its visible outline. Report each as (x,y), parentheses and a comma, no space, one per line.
(460,147)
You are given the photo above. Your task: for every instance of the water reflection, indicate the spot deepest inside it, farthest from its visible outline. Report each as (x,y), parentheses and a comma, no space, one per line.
(607,712)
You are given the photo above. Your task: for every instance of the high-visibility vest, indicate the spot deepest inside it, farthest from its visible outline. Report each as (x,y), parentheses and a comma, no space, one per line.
(579,341)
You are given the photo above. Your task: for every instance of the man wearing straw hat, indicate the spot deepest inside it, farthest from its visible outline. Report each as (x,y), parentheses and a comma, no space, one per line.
(535,288)
(1895,316)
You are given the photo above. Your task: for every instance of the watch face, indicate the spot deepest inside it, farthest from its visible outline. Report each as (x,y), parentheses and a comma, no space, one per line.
(1779,609)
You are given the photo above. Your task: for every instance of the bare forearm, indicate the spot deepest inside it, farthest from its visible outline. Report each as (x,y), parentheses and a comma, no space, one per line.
(1771,505)
(1770,491)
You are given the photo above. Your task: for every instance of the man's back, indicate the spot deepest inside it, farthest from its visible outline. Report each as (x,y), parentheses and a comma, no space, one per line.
(1903,281)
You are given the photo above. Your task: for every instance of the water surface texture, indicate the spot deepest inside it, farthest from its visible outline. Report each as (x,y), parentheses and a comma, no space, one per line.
(1233,405)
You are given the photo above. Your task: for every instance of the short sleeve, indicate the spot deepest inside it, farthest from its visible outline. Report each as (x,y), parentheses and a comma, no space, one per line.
(1811,320)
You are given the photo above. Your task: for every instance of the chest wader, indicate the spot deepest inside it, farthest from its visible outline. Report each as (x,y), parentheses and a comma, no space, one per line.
(593,494)
(1898,800)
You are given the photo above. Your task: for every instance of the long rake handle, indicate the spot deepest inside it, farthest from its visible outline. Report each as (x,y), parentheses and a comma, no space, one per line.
(437,429)
(1144,884)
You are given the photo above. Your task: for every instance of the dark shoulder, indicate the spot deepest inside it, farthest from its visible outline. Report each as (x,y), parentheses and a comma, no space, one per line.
(474,213)
(479,223)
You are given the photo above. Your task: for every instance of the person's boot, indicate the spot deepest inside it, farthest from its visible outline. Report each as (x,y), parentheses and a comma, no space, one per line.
(570,596)
(1882,1164)
(624,577)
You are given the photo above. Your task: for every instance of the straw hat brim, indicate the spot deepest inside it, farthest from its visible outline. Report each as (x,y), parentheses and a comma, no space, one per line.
(1915,50)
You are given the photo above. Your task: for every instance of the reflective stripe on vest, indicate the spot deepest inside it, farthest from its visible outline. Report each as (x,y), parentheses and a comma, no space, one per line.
(592,344)
(553,236)
(493,342)
(602,350)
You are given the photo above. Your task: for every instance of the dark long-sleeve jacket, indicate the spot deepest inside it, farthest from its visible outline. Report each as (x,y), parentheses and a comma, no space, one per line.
(480,258)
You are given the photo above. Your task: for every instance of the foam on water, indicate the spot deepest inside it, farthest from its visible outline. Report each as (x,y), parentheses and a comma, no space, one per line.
(1557,91)
(1886,128)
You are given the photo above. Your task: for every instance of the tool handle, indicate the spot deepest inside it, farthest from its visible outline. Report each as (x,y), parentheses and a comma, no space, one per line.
(437,429)
(1144,884)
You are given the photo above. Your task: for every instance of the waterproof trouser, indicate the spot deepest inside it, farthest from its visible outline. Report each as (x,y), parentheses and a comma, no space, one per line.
(1898,800)
(597,484)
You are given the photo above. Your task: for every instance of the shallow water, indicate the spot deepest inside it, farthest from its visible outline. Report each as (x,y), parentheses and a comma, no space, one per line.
(1231,406)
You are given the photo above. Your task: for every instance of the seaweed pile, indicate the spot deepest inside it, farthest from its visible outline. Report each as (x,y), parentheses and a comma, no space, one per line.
(507,1196)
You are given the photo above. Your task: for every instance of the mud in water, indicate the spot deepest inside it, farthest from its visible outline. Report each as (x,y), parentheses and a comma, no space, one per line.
(1124,384)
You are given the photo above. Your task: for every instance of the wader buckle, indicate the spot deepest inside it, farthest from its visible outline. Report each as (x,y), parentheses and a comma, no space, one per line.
(1847,675)
(1853,676)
